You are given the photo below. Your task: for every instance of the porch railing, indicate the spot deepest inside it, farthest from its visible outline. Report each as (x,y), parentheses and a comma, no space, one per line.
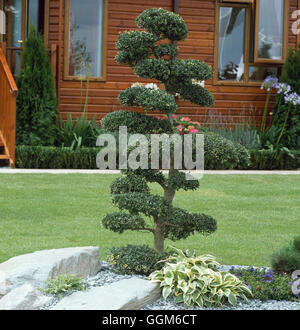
(8,96)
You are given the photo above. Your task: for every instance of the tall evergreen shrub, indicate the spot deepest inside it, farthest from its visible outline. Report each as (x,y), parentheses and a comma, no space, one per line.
(37,113)
(140,209)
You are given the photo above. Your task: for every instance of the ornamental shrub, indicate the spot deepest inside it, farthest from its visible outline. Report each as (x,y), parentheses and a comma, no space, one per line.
(135,259)
(220,153)
(291,76)
(63,285)
(37,113)
(130,193)
(194,280)
(287,259)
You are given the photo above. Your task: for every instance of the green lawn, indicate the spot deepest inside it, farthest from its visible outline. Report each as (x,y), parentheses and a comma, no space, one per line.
(256,214)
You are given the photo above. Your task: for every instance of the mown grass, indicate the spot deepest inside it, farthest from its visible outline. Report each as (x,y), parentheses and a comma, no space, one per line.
(256,214)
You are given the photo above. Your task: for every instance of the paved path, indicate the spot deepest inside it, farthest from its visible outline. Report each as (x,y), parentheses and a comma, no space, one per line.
(26,171)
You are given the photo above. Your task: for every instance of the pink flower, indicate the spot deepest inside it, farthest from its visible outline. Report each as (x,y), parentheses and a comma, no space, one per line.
(157,117)
(197,123)
(185,119)
(194,130)
(175,116)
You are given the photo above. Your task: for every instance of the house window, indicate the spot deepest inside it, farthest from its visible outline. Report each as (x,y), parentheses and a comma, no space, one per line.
(269,30)
(251,40)
(231,43)
(85,39)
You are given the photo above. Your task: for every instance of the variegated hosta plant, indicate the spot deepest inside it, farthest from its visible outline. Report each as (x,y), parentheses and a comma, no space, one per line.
(193,281)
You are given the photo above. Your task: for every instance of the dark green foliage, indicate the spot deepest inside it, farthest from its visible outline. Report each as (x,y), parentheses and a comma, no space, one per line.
(151,61)
(177,181)
(128,184)
(243,157)
(266,285)
(149,205)
(150,175)
(165,49)
(193,93)
(267,159)
(78,132)
(135,259)
(158,69)
(190,69)
(37,113)
(118,222)
(163,24)
(287,259)
(135,122)
(134,46)
(39,157)
(149,99)
(220,153)
(291,76)
(84,158)
(181,224)
(204,224)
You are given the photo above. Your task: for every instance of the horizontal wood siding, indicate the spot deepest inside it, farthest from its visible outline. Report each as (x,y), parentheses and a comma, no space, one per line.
(233,104)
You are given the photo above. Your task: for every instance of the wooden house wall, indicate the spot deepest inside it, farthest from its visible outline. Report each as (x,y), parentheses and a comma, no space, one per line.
(233,104)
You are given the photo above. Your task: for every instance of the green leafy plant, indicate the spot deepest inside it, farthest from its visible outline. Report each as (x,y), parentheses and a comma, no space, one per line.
(140,51)
(134,259)
(64,284)
(37,112)
(193,281)
(287,259)
(221,153)
(285,115)
(78,132)
(266,284)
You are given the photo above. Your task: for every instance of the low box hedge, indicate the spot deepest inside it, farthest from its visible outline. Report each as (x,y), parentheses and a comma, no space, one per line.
(38,157)
(55,158)
(269,160)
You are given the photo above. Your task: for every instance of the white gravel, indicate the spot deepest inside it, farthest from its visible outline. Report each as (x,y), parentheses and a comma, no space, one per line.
(107,276)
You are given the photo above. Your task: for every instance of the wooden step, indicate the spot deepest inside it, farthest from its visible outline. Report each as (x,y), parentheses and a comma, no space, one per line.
(4,157)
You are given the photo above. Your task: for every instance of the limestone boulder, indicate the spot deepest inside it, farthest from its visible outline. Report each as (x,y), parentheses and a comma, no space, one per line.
(36,268)
(25,297)
(128,294)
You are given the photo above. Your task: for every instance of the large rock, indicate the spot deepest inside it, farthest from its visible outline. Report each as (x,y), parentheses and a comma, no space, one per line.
(25,297)
(130,294)
(36,268)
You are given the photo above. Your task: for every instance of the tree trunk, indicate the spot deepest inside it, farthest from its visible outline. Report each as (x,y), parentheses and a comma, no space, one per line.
(159,227)
(159,236)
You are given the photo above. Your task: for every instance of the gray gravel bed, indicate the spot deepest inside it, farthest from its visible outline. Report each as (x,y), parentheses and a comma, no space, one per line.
(107,276)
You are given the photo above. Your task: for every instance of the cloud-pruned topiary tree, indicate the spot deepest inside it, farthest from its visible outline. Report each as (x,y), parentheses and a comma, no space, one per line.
(149,59)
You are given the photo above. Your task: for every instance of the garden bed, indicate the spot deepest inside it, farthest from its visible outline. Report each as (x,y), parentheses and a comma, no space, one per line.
(107,276)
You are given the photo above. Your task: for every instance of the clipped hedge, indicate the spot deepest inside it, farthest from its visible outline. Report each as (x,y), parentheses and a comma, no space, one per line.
(85,158)
(55,158)
(270,160)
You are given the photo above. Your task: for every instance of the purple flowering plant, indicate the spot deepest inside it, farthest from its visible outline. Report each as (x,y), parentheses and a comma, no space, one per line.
(269,83)
(266,284)
(292,99)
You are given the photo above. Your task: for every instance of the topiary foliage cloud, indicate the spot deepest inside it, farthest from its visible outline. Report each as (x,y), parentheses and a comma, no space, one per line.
(130,193)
